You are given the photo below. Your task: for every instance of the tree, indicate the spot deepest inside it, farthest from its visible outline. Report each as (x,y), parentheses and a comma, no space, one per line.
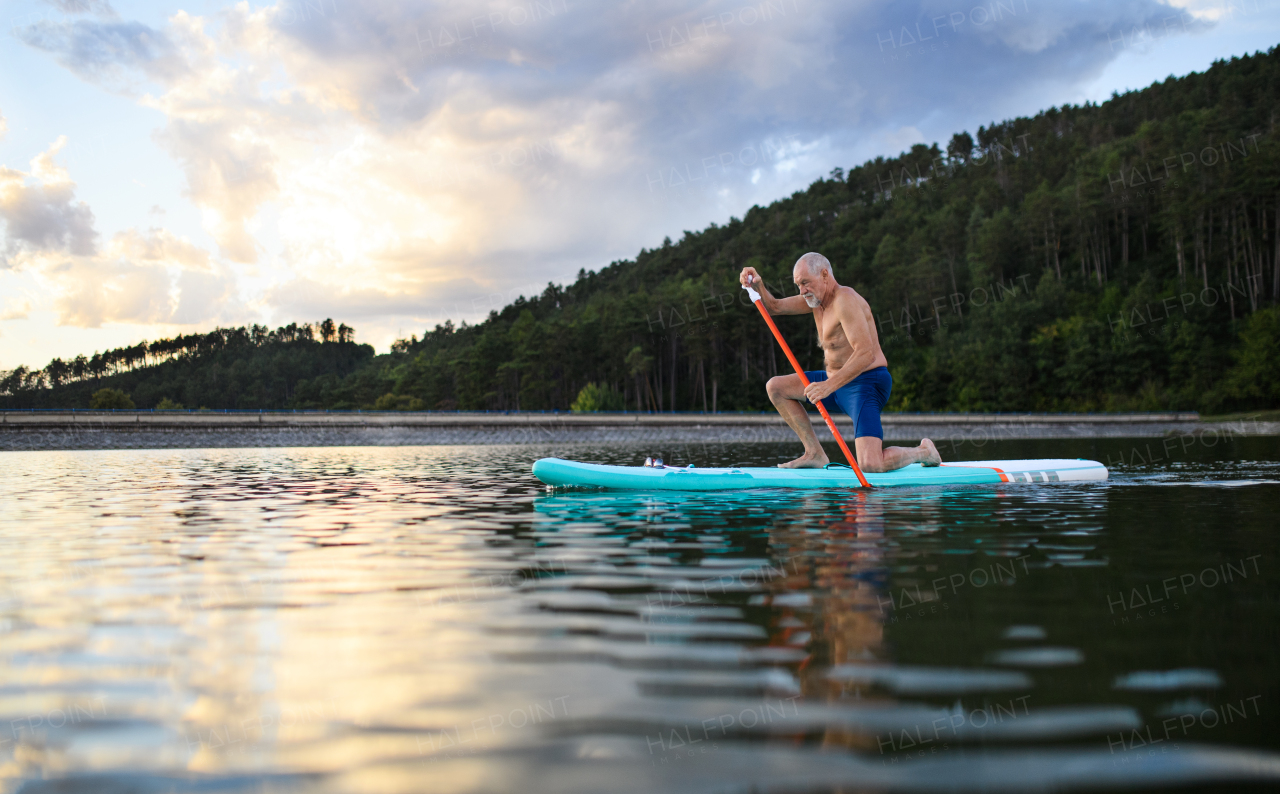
(961,147)
(57,372)
(1255,379)
(398,402)
(594,398)
(110,399)
(638,365)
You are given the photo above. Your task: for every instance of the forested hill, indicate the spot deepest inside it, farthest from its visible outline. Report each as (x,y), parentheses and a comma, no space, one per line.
(1102,257)
(250,367)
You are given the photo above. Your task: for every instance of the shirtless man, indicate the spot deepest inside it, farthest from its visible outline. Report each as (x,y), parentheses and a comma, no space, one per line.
(856,379)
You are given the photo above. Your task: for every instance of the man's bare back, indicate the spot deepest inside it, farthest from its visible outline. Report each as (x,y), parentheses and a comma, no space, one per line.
(856,369)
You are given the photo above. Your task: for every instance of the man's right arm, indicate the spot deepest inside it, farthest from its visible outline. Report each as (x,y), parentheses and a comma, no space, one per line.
(776,306)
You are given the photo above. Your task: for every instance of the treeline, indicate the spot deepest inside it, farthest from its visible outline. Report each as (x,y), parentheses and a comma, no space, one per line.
(1122,256)
(247,367)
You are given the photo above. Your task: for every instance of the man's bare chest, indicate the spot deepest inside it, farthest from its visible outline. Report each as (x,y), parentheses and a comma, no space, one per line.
(831,335)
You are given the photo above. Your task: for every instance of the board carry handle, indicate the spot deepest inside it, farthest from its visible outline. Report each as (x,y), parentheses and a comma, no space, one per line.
(822,409)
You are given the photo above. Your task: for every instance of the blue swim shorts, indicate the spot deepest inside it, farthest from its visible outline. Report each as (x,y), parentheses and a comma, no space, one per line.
(862,398)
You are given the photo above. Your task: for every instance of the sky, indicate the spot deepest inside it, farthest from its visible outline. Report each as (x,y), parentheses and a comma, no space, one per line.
(170,166)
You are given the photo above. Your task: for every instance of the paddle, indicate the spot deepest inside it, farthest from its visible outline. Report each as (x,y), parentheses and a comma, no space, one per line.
(755,298)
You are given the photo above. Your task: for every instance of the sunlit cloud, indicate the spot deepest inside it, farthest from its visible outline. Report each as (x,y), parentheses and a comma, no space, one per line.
(150,276)
(15,310)
(40,211)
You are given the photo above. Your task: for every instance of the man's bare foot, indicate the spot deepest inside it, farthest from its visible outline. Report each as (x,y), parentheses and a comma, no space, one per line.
(809,460)
(932,458)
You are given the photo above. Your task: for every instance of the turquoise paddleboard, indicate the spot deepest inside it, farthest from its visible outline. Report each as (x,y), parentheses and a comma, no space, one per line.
(554,471)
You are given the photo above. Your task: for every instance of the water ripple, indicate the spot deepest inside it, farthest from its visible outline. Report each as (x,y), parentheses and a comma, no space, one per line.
(431,618)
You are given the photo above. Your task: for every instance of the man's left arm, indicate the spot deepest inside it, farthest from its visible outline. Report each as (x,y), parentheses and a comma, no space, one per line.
(854,325)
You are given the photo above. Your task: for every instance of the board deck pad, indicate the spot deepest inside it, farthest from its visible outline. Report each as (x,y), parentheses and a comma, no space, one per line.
(561,473)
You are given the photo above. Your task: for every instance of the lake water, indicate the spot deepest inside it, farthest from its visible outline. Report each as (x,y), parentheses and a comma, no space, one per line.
(433,619)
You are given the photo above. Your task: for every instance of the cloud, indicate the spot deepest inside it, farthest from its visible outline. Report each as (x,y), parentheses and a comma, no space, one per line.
(159,246)
(98,7)
(108,290)
(1215,10)
(4,126)
(15,310)
(107,52)
(144,277)
(418,157)
(230,174)
(151,276)
(40,211)
(450,297)
(209,297)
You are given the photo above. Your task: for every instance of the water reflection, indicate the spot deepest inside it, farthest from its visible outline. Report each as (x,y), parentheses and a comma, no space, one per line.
(411,619)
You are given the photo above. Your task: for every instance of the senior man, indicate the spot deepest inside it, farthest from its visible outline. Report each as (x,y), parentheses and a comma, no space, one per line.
(856,379)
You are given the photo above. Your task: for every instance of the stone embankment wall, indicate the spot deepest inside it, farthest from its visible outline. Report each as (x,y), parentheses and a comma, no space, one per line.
(32,430)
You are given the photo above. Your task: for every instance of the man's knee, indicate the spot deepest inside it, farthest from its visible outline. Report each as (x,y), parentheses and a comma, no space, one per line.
(776,387)
(873,466)
(870,457)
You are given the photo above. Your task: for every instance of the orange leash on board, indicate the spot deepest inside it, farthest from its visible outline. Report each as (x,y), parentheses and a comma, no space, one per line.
(822,409)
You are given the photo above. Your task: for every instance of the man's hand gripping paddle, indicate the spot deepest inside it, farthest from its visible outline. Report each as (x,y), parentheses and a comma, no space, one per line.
(822,409)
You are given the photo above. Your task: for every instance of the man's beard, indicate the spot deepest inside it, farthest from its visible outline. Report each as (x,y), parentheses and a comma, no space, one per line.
(812,300)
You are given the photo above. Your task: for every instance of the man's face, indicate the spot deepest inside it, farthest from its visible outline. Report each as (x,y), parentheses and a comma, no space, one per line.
(811,286)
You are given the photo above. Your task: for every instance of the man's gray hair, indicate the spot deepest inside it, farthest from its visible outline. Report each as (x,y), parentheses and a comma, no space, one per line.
(815,262)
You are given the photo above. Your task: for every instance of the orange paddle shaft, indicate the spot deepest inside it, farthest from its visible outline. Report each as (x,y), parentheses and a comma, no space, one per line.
(822,409)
